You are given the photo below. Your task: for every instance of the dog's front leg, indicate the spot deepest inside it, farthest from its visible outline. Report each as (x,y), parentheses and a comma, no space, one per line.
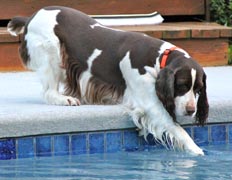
(159,123)
(184,141)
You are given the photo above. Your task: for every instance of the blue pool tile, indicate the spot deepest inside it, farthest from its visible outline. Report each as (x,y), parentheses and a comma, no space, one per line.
(149,141)
(61,145)
(7,149)
(43,146)
(188,130)
(201,135)
(79,144)
(96,143)
(113,141)
(131,140)
(230,133)
(26,147)
(218,134)
(144,144)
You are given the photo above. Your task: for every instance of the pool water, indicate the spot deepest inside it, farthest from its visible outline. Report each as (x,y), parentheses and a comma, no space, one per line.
(158,164)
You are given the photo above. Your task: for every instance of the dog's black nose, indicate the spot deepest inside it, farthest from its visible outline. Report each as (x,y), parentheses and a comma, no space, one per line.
(190,113)
(190,110)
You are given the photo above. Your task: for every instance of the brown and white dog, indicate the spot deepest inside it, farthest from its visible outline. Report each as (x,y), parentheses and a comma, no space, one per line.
(101,65)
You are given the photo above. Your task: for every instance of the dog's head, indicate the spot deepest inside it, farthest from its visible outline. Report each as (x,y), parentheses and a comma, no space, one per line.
(182,90)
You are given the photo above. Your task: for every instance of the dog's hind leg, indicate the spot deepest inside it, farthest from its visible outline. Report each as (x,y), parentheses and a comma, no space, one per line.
(52,74)
(50,82)
(43,54)
(46,59)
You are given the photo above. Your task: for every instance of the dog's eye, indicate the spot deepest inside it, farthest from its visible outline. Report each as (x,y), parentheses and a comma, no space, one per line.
(197,88)
(181,89)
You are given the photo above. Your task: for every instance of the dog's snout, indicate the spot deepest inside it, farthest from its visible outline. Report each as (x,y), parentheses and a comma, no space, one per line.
(190,109)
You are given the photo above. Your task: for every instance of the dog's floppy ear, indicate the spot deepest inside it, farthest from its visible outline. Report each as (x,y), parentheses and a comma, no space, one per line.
(165,90)
(202,105)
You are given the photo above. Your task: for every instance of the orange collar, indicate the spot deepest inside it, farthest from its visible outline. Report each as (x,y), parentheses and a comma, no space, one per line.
(165,56)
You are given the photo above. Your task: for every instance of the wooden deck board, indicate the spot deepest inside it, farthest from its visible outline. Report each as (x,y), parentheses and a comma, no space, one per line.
(182,27)
(178,26)
(12,8)
(199,39)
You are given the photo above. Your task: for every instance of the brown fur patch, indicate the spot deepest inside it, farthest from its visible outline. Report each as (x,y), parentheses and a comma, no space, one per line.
(99,92)
(73,72)
(23,52)
(64,56)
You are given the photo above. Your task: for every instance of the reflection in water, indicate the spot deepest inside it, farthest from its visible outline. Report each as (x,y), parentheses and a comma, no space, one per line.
(146,165)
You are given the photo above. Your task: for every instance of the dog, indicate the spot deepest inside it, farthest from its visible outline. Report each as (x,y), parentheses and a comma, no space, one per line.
(156,80)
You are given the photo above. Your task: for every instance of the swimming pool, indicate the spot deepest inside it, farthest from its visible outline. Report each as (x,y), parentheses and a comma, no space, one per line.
(156,164)
(38,141)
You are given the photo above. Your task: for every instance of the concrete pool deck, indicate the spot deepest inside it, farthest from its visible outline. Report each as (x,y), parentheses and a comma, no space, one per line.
(23,111)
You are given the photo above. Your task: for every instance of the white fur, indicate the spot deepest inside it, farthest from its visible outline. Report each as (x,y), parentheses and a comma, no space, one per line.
(85,76)
(147,111)
(44,52)
(181,102)
(152,71)
(101,26)
(40,38)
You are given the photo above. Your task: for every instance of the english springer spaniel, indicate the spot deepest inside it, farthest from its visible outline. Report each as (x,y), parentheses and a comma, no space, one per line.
(100,65)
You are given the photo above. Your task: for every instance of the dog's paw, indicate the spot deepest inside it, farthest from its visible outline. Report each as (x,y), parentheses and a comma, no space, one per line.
(65,101)
(72,101)
(198,152)
(58,99)
(194,150)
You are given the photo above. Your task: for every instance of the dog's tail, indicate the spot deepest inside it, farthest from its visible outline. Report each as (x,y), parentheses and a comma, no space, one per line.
(16,25)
